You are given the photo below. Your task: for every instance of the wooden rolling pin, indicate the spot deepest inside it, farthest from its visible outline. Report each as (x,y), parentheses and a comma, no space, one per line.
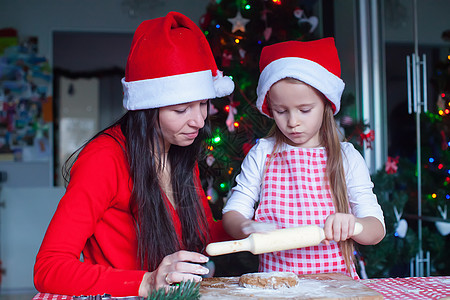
(276,240)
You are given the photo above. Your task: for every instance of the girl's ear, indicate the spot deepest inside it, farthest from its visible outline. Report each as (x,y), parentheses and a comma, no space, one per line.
(268,102)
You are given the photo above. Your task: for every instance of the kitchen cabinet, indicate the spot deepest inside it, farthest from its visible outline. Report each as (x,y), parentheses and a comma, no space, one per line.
(24,216)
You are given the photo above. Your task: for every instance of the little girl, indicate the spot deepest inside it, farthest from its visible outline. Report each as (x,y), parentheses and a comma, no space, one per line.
(302,174)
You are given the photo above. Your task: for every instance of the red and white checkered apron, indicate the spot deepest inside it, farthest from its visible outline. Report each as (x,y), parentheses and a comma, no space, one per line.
(294,193)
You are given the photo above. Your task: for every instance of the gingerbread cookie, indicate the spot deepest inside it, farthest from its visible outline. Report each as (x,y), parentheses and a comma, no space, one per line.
(270,280)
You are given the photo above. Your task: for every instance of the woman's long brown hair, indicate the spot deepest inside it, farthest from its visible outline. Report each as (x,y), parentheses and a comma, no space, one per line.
(154,227)
(329,138)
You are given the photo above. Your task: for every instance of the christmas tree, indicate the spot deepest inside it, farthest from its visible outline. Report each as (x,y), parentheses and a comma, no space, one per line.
(396,189)
(237,30)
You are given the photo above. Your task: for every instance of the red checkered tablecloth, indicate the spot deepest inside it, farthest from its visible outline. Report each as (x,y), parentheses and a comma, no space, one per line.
(411,288)
(45,296)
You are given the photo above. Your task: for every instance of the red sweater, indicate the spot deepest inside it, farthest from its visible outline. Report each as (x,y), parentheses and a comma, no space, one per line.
(93,217)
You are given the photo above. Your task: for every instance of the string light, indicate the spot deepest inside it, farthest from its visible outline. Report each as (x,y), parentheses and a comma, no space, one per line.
(244,4)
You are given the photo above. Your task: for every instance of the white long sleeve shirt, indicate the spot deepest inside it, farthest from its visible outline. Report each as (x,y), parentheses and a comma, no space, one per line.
(247,192)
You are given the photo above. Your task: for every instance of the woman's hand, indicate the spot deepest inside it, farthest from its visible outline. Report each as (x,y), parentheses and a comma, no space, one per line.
(174,268)
(339,227)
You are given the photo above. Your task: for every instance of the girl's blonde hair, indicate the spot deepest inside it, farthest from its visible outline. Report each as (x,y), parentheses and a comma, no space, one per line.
(329,138)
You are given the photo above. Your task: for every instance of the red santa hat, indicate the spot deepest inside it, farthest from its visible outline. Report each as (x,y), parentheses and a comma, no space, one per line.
(170,62)
(314,62)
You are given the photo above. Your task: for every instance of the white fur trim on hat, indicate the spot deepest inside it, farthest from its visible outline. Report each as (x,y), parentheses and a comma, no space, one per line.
(223,85)
(304,70)
(169,90)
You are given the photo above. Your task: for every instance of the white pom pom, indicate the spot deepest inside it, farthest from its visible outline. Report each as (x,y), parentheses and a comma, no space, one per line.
(402,228)
(223,85)
(443,228)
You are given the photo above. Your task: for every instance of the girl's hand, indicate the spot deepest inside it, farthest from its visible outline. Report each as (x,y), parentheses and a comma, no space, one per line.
(174,268)
(339,227)
(250,226)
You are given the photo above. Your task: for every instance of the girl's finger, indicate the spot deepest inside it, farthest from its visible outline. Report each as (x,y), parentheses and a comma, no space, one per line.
(351,227)
(337,231)
(344,231)
(327,229)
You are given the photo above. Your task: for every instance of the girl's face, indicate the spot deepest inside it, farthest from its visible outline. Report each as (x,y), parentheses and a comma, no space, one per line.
(297,109)
(180,123)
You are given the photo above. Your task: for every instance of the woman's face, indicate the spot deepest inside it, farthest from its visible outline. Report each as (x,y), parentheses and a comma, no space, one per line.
(180,123)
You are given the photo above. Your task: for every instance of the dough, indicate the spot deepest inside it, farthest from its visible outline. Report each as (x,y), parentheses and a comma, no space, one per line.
(270,280)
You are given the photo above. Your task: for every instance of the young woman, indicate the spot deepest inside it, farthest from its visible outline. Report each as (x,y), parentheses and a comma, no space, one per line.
(134,216)
(301,174)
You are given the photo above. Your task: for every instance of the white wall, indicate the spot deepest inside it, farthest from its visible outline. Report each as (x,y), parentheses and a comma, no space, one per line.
(41,18)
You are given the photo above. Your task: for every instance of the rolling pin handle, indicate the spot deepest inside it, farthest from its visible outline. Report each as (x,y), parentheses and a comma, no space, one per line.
(227,247)
(358,228)
(322,234)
